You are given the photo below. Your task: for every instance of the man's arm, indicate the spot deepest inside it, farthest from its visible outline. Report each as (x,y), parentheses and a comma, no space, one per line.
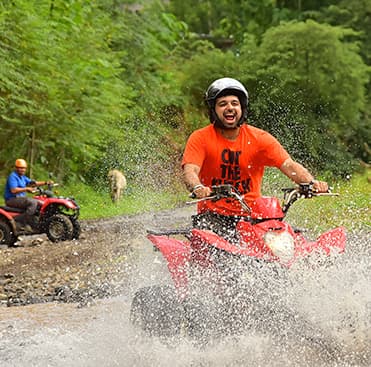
(17,190)
(193,182)
(14,188)
(30,187)
(299,174)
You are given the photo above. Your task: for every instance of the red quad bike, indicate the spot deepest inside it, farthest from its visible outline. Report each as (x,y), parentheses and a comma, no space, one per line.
(56,216)
(223,286)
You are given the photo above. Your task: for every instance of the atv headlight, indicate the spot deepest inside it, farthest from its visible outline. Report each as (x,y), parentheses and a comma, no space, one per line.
(281,244)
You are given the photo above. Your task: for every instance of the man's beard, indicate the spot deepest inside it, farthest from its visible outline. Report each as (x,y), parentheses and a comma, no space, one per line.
(218,123)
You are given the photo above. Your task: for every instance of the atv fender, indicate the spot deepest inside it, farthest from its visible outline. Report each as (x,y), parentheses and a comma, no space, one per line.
(9,218)
(178,255)
(211,238)
(332,241)
(55,201)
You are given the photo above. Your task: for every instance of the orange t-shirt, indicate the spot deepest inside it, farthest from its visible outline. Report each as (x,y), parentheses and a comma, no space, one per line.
(239,163)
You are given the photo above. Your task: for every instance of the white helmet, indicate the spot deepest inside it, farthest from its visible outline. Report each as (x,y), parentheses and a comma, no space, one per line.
(222,87)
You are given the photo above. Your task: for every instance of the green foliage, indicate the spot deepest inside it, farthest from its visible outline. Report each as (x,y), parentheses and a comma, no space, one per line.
(354,14)
(309,61)
(61,87)
(148,37)
(227,22)
(311,91)
(89,86)
(135,151)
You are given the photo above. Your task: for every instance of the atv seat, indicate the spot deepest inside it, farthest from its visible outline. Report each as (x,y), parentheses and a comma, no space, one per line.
(12,209)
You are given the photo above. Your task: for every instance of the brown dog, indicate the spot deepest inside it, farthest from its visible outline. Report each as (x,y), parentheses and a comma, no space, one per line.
(117,183)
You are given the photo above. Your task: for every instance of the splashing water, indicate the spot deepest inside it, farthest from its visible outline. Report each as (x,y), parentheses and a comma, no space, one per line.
(333,298)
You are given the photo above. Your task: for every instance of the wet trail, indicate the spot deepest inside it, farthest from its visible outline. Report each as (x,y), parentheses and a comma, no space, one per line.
(335,298)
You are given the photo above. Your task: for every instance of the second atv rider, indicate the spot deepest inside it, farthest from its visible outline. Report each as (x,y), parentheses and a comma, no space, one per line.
(229,151)
(17,185)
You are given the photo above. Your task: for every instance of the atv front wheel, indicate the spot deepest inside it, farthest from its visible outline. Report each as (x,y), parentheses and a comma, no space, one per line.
(157,311)
(59,228)
(7,236)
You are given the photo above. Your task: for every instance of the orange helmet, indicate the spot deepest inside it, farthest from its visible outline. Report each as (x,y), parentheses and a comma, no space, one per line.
(21,163)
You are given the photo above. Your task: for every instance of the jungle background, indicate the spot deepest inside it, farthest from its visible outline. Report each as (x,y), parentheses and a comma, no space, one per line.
(86,86)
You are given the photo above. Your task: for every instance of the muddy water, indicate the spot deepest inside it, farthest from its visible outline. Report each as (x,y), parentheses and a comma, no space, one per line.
(335,298)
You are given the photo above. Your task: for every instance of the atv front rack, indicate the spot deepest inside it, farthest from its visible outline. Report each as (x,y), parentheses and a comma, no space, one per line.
(170,232)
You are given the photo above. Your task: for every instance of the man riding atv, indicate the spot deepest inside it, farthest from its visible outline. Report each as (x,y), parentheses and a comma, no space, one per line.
(231,152)
(17,185)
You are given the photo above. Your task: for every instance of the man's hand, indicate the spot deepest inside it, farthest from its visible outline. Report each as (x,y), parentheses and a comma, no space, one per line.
(320,186)
(192,181)
(201,191)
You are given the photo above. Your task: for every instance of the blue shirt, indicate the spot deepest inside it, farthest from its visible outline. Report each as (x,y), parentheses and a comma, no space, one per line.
(13,181)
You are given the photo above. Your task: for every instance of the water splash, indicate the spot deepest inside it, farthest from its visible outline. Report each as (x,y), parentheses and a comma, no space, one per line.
(333,298)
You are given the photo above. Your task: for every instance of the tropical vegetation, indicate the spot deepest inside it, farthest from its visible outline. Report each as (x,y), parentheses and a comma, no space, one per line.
(86,86)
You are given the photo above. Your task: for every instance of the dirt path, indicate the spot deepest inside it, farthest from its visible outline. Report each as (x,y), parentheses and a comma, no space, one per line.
(38,270)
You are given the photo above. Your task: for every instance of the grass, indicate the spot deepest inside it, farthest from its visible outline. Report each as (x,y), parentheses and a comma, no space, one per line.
(351,209)
(95,204)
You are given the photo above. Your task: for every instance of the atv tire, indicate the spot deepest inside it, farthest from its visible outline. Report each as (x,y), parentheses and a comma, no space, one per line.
(59,228)
(7,236)
(76,229)
(157,311)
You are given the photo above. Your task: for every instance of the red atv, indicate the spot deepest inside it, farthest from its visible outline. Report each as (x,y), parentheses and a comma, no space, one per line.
(221,284)
(56,216)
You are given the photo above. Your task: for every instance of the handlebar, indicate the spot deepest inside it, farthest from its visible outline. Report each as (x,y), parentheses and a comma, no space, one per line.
(291,194)
(48,192)
(303,190)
